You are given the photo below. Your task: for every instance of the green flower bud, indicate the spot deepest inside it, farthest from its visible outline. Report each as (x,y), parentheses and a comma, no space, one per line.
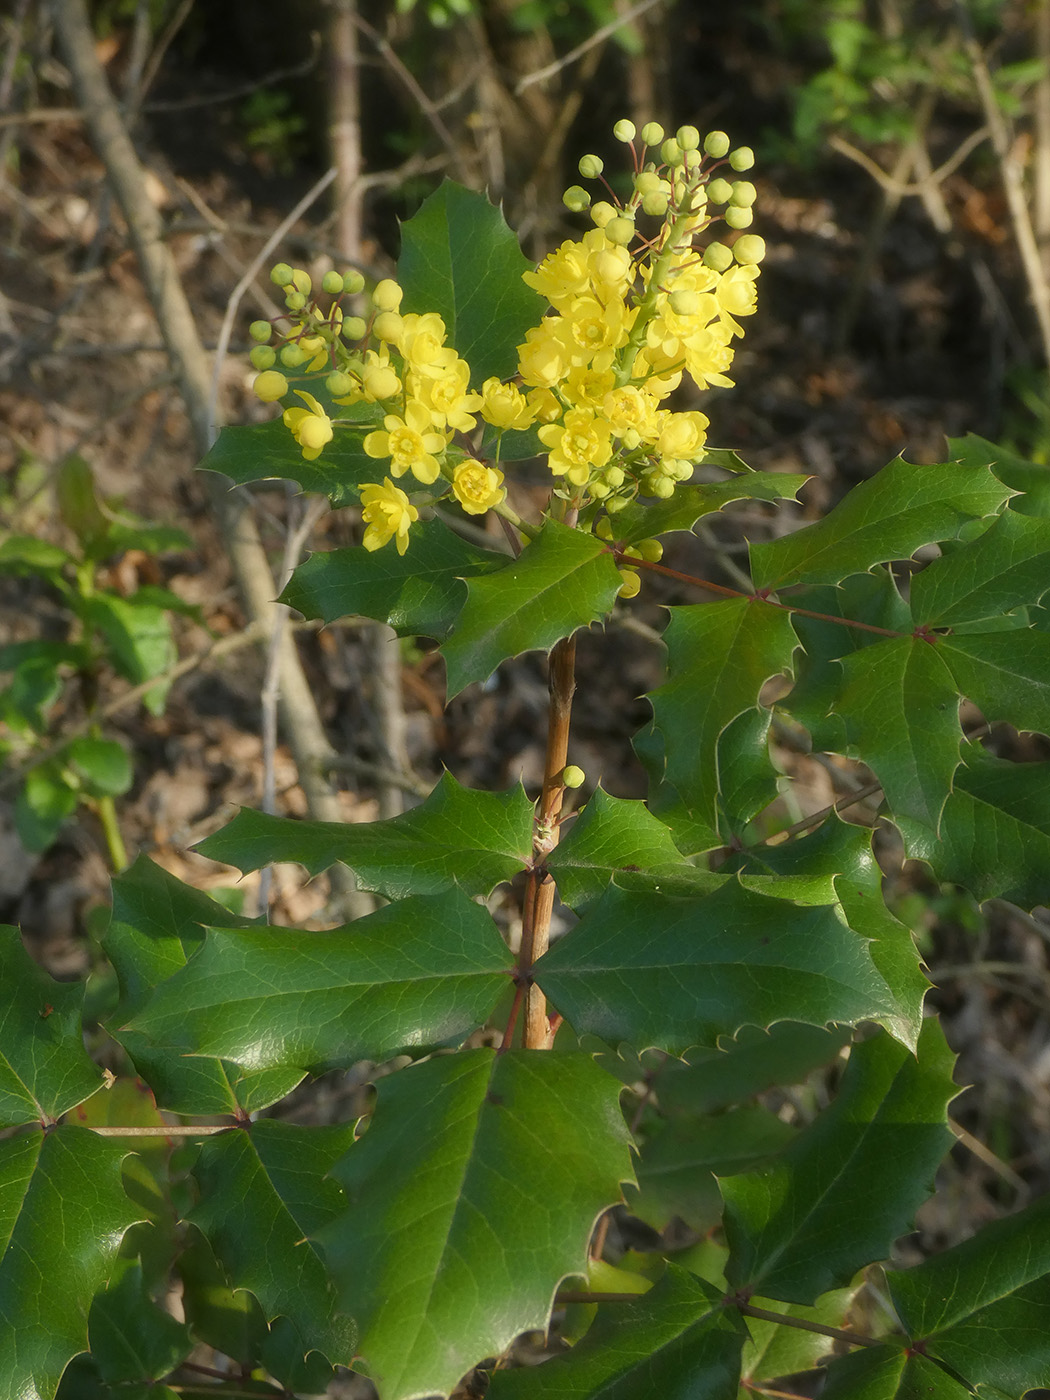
(743,158)
(718,256)
(688,138)
(387,295)
(280,274)
(719,191)
(620,230)
(671,152)
(291,356)
(624,130)
(614,477)
(353,283)
(332,283)
(576,198)
(603,529)
(270,386)
(295,301)
(591,167)
(648,182)
(339,384)
(739,218)
(749,250)
(652,133)
(598,490)
(632,584)
(263,356)
(617,503)
(655,204)
(652,551)
(353,328)
(260,331)
(684,303)
(716,144)
(631,553)
(744,193)
(603,213)
(302,282)
(573,777)
(662,488)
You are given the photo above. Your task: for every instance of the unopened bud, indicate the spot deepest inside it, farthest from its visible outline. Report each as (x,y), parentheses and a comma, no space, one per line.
(339,384)
(387,295)
(263,356)
(280,274)
(652,551)
(353,328)
(632,584)
(295,301)
(270,386)
(291,356)
(353,283)
(332,283)
(739,218)
(591,167)
(716,144)
(624,130)
(302,282)
(743,158)
(616,503)
(603,529)
(260,331)
(718,257)
(576,198)
(387,325)
(749,249)
(603,213)
(688,138)
(684,303)
(719,191)
(744,193)
(620,230)
(671,152)
(652,133)
(573,777)
(655,203)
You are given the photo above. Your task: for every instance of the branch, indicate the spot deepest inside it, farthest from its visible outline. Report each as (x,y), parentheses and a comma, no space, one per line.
(598,37)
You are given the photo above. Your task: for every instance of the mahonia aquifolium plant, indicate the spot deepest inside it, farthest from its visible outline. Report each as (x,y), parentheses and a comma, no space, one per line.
(633,309)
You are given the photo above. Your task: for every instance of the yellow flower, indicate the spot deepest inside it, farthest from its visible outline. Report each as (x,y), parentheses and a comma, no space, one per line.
(477,488)
(421,341)
(578,445)
(544,357)
(448,397)
(311,426)
(591,327)
(561,275)
(505,406)
(387,512)
(682,435)
(409,442)
(270,386)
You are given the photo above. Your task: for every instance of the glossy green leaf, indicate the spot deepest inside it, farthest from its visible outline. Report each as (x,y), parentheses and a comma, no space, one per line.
(888,517)
(262,1193)
(63,1213)
(133,1339)
(103,766)
(563,580)
(457,837)
(995,831)
(419,593)
(690,503)
(471,1196)
(226,1318)
(719,655)
(268,451)
(676,1342)
(901,708)
(747,779)
(888,1373)
(1008,566)
(780,1349)
(1005,674)
(44,1068)
(829,1205)
(610,834)
(1031,478)
(157,923)
(424,971)
(460,259)
(670,971)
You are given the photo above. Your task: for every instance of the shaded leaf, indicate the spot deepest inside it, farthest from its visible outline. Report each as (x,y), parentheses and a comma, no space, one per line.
(888,1373)
(131,1337)
(480,1179)
(610,834)
(690,503)
(103,765)
(1005,674)
(45,801)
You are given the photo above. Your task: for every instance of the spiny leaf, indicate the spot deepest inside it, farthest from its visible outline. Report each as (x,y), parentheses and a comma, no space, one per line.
(268,451)
(471,1196)
(1008,566)
(690,503)
(889,1373)
(610,834)
(1005,674)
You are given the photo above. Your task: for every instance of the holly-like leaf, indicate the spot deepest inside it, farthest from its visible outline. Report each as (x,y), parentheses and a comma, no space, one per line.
(1008,566)
(671,971)
(610,834)
(677,1341)
(888,1373)
(1031,478)
(563,580)
(780,1349)
(719,655)
(1005,674)
(457,837)
(133,1339)
(157,923)
(63,1214)
(420,972)
(983,1307)
(44,1068)
(747,779)
(460,259)
(901,708)
(262,1194)
(268,451)
(995,831)
(419,593)
(480,1179)
(886,518)
(794,1229)
(691,503)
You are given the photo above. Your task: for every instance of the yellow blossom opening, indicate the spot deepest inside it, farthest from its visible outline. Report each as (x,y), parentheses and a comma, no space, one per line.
(477,488)
(387,513)
(311,426)
(409,442)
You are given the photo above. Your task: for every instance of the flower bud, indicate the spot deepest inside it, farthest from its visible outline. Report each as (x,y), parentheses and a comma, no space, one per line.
(744,193)
(684,303)
(573,777)
(387,295)
(718,256)
(743,158)
(620,230)
(598,490)
(749,249)
(339,384)
(716,144)
(576,198)
(332,283)
(624,130)
(655,204)
(263,356)
(632,584)
(603,213)
(616,503)
(736,217)
(671,152)
(353,282)
(614,477)
(260,331)
(270,386)
(604,529)
(688,138)
(302,281)
(590,167)
(387,325)
(719,191)
(353,328)
(652,133)
(280,274)
(652,551)
(631,552)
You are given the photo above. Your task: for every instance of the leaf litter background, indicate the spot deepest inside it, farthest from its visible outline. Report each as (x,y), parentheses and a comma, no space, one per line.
(81,370)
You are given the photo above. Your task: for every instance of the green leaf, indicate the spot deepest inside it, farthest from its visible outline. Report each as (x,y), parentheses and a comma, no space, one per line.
(44,803)
(610,834)
(480,1179)
(779,1349)
(157,923)
(460,259)
(794,1229)
(268,451)
(1008,566)
(887,1373)
(676,1342)
(719,655)
(563,580)
(63,1213)
(138,637)
(1033,478)
(690,503)
(44,1068)
(424,971)
(886,518)
(901,708)
(995,831)
(103,765)
(29,554)
(983,1307)
(1005,674)
(261,1193)
(79,507)
(747,780)
(419,593)
(671,971)
(458,836)
(131,1338)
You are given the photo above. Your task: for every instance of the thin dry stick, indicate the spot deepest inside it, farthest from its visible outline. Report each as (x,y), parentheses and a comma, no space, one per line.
(598,37)
(1041,127)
